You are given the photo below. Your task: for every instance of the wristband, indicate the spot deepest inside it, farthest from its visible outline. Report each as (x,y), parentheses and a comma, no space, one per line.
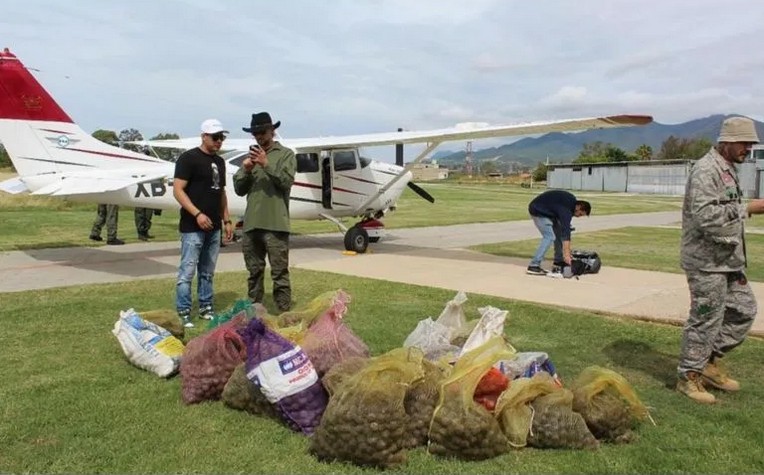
(227,221)
(197,214)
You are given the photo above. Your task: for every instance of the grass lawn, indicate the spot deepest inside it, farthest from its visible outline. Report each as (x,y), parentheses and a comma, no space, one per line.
(643,248)
(70,403)
(33,222)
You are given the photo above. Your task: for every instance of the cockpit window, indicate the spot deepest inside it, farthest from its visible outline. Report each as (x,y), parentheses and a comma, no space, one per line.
(307,162)
(365,162)
(344,161)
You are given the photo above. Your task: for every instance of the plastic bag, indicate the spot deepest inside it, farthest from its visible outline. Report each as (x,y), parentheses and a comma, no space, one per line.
(147,345)
(453,318)
(491,324)
(433,338)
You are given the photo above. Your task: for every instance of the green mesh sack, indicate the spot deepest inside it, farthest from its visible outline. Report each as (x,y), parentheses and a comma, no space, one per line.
(556,426)
(460,427)
(513,407)
(241,307)
(242,394)
(365,422)
(420,401)
(608,404)
(167,319)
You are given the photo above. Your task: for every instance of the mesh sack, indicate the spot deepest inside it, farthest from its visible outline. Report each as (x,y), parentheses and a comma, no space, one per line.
(341,372)
(556,426)
(365,422)
(240,393)
(608,404)
(208,361)
(329,341)
(460,427)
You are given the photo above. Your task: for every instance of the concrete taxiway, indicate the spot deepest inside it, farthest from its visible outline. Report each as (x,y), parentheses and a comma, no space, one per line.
(432,256)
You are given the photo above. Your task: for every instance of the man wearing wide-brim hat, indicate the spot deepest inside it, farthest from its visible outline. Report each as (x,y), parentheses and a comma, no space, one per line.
(722,305)
(265,178)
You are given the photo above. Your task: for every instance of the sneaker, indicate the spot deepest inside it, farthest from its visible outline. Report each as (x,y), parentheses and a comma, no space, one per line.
(714,376)
(115,242)
(535,270)
(691,385)
(95,237)
(143,237)
(206,313)
(185,318)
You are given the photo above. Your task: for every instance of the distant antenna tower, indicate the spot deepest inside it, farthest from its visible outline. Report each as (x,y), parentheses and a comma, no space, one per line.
(468,159)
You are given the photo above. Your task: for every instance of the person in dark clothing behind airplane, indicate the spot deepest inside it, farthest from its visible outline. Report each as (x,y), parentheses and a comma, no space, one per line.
(552,212)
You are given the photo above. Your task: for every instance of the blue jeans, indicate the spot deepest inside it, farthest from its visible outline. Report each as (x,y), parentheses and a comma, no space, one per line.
(550,233)
(198,251)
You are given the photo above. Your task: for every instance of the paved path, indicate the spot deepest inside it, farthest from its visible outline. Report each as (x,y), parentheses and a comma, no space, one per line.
(434,256)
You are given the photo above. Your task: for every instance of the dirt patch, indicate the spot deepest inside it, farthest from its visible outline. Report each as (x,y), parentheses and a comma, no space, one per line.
(7,174)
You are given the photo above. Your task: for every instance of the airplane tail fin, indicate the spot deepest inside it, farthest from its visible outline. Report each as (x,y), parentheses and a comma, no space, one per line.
(41,138)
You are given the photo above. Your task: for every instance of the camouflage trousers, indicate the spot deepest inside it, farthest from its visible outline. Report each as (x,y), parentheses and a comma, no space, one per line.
(255,245)
(143,220)
(722,310)
(108,215)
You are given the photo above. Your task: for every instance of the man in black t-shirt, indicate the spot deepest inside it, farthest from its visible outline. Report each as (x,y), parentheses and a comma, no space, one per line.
(199,187)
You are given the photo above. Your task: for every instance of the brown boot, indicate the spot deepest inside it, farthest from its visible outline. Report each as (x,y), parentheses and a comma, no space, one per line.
(715,376)
(692,386)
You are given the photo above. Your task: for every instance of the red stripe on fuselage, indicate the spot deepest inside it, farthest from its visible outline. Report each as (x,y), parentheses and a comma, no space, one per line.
(22,97)
(107,154)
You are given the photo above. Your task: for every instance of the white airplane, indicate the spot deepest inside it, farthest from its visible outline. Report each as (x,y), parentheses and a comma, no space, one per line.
(53,156)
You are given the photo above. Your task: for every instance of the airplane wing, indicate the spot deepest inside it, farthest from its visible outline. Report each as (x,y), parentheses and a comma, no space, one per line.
(460,132)
(99,181)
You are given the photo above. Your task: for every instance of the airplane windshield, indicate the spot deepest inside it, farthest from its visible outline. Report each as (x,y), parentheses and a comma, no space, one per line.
(365,162)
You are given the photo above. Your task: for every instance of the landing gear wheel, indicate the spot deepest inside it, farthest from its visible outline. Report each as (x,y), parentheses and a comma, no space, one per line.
(356,239)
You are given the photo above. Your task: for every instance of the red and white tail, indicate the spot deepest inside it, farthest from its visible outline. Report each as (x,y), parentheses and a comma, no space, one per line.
(41,138)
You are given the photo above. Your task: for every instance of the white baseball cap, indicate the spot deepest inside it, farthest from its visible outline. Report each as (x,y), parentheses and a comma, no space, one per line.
(213,126)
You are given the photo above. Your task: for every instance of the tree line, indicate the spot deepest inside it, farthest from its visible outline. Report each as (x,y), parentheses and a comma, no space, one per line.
(673,148)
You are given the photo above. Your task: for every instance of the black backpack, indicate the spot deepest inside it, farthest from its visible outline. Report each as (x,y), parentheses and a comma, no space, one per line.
(585,262)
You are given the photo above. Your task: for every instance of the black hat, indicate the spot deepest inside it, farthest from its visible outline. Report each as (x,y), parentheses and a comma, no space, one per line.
(260,122)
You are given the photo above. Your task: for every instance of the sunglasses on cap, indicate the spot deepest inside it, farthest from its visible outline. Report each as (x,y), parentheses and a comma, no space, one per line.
(219,137)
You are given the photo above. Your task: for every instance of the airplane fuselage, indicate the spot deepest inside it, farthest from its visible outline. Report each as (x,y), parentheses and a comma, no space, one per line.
(320,188)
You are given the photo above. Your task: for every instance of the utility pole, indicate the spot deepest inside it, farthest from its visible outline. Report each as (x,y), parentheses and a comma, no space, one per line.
(468,159)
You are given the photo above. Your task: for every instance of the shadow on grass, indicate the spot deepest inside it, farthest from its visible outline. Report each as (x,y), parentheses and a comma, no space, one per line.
(640,356)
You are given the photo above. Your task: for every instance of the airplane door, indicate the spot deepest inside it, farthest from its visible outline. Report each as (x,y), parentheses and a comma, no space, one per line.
(347,183)
(326,183)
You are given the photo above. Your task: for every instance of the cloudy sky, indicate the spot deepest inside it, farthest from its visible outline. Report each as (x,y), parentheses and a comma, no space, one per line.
(356,66)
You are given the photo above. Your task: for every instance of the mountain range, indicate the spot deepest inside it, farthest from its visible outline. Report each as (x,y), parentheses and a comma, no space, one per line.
(564,147)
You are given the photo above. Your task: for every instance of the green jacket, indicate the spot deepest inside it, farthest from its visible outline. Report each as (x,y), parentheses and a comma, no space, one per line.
(267,190)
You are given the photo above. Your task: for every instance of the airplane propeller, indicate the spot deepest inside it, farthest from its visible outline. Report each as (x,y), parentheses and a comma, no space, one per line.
(420,191)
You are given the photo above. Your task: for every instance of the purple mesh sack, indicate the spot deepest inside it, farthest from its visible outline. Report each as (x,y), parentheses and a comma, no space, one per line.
(286,377)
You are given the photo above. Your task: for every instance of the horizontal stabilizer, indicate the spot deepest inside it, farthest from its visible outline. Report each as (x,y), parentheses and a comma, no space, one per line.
(13,186)
(83,184)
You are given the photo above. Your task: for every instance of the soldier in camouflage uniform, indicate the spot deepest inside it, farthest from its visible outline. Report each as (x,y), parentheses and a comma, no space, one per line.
(143,222)
(266,178)
(722,305)
(108,215)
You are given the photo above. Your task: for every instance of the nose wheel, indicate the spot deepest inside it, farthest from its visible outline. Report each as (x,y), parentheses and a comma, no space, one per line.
(356,239)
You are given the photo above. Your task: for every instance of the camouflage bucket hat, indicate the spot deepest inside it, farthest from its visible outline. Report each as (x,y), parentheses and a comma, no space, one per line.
(738,129)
